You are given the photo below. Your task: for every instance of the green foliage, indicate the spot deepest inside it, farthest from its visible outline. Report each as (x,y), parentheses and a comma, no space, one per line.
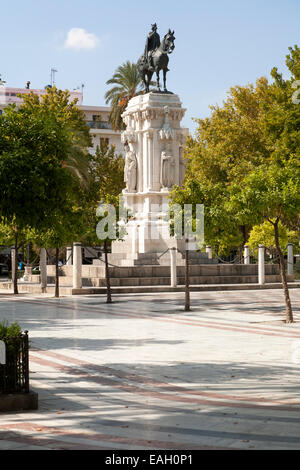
(263,234)
(39,141)
(226,147)
(106,181)
(269,192)
(127,83)
(106,171)
(297,269)
(11,335)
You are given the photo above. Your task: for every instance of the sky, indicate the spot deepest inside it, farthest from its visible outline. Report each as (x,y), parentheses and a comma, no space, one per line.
(219,44)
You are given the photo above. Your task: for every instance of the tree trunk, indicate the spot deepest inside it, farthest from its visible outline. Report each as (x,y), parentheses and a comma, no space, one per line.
(108,289)
(56,273)
(15,279)
(289,312)
(187,306)
(28,250)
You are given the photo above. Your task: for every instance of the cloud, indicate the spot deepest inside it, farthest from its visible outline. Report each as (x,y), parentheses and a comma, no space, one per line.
(79,38)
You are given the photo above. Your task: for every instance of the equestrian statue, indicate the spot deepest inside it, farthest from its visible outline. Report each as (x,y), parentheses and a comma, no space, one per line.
(155,57)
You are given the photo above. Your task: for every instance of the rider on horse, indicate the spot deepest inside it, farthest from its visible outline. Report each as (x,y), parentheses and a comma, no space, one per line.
(152,43)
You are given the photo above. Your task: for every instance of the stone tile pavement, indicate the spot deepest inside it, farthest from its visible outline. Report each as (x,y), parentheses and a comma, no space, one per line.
(143,374)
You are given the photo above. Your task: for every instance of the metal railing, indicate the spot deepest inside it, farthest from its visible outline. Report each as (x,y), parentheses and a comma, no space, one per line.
(14,374)
(98,124)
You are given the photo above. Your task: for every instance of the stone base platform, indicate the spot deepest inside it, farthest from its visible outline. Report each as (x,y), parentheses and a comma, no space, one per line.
(155,259)
(18,401)
(123,290)
(152,278)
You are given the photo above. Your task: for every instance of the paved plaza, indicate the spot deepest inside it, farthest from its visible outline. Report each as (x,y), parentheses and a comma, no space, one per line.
(143,374)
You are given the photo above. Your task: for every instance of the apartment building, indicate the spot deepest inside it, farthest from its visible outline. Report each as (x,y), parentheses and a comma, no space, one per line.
(96,116)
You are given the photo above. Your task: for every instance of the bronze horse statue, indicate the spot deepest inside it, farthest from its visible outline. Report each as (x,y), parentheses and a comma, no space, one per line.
(160,62)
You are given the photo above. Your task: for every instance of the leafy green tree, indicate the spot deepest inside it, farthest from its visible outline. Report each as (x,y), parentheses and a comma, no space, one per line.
(243,164)
(270,193)
(227,145)
(127,83)
(66,226)
(106,181)
(263,234)
(40,145)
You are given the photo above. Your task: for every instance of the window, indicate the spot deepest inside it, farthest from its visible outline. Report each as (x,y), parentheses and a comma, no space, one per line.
(104,142)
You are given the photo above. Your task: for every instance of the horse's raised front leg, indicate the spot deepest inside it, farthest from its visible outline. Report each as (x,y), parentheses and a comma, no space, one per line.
(157,80)
(165,79)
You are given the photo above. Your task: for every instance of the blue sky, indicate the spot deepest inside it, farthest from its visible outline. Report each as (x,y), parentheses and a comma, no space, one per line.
(219,43)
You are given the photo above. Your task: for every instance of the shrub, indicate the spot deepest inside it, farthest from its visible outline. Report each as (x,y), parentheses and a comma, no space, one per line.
(14,374)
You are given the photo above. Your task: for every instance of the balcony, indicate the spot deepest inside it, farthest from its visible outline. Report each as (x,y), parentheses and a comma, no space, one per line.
(98,124)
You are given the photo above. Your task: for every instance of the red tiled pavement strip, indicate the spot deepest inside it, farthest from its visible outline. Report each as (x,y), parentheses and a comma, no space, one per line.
(98,437)
(153,394)
(152,382)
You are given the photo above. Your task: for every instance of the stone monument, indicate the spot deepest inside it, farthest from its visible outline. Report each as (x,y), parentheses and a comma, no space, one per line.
(153,141)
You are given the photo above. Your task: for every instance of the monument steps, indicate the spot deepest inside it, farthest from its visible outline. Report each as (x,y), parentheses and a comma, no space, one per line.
(165,281)
(151,278)
(155,259)
(34,288)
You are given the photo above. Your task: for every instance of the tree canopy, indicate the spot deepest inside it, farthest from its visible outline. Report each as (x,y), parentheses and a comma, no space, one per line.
(127,83)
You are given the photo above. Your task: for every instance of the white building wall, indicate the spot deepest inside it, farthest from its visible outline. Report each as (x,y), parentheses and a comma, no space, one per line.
(95,116)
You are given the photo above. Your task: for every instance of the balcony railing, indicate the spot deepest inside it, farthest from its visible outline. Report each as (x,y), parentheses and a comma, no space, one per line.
(98,124)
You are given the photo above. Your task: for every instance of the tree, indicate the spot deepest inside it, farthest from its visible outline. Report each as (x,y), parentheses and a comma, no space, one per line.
(106,181)
(226,147)
(39,143)
(127,83)
(270,193)
(244,162)
(65,227)
(263,234)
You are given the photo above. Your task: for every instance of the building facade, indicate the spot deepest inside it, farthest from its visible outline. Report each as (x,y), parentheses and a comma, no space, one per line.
(96,116)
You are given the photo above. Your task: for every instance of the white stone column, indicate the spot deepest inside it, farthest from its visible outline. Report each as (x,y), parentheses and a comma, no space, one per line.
(135,239)
(77,266)
(13,263)
(261,265)
(290,260)
(173,267)
(209,251)
(69,256)
(43,269)
(246,254)
(149,136)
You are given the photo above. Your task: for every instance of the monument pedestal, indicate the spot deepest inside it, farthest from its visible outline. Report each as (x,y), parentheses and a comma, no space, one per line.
(154,143)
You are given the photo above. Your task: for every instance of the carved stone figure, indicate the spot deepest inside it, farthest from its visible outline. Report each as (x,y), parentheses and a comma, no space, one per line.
(166,131)
(167,172)
(130,170)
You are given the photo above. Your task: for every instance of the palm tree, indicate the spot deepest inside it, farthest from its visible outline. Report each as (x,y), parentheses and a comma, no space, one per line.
(127,84)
